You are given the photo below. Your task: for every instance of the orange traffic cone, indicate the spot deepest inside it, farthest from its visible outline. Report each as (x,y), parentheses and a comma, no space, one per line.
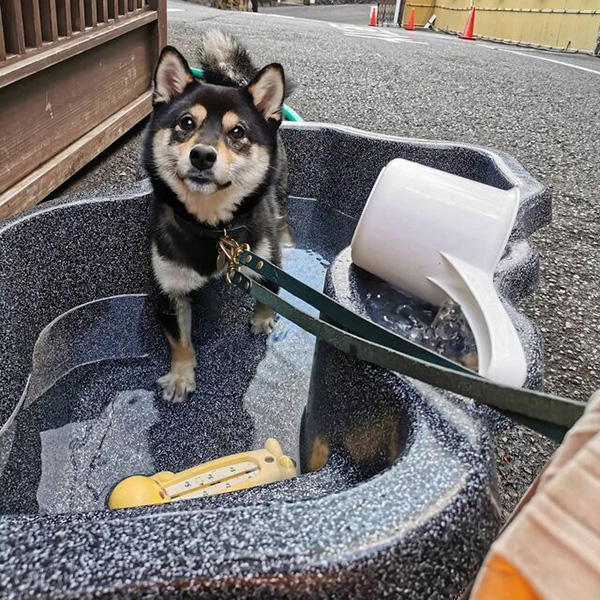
(467,34)
(373,17)
(411,20)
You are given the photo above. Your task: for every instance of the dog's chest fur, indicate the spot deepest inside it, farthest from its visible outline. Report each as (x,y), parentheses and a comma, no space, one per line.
(187,247)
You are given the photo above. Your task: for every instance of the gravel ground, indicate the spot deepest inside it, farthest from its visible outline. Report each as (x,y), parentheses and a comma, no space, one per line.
(545,114)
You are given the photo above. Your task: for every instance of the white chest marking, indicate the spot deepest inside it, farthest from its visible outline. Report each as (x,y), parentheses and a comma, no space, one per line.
(175,279)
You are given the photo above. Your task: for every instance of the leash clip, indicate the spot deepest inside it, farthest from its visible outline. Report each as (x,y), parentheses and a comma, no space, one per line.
(231,251)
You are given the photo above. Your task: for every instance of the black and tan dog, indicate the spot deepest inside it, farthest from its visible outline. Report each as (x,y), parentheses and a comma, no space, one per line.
(216,162)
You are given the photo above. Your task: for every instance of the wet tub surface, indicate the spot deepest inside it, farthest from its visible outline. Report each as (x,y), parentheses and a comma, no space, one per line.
(103,418)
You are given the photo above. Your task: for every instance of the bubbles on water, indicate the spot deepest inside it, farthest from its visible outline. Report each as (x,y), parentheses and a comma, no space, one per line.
(444,330)
(451,336)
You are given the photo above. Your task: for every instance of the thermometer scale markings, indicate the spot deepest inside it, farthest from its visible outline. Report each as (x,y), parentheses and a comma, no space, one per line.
(218,488)
(214,479)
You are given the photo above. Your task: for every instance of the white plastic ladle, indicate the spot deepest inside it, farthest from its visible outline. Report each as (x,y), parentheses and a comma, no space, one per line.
(437,235)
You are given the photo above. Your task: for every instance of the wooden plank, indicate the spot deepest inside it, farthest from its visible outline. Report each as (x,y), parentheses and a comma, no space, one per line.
(49,20)
(46,57)
(91,13)
(63,10)
(160,6)
(32,23)
(78,15)
(42,114)
(102,11)
(113,9)
(2,44)
(36,186)
(14,35)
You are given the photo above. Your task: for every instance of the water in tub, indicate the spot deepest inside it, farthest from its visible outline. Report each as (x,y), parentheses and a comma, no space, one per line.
(91,414)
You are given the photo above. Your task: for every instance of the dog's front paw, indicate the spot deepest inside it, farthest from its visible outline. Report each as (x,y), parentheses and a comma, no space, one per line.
(177,385)
(262,324)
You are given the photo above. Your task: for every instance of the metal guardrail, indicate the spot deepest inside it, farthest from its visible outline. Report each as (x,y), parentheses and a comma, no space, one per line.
(386,12)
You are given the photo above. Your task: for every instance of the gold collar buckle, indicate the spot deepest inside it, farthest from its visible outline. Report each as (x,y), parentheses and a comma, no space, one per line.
(231,253)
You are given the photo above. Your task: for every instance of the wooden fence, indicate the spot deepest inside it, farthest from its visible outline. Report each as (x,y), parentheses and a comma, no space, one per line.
(569,25)
(28,24)
(74,76)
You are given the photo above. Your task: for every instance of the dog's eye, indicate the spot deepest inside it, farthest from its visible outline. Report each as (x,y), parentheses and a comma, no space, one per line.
(187,123)
(238,132)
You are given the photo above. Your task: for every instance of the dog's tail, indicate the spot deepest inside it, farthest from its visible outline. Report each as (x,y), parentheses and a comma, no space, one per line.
(224,60)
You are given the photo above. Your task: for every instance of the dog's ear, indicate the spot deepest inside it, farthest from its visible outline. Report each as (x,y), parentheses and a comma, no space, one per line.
(268,90)
(172,75)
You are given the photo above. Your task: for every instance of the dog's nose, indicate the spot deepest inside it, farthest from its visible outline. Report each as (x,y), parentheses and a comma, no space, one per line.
(203,157)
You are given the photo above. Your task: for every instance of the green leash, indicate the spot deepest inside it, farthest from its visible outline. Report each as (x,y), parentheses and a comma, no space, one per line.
(550,415)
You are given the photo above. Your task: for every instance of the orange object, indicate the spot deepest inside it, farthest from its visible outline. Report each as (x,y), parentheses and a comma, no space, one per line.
(373,17)
(503,581)
(411,20)
(467,34)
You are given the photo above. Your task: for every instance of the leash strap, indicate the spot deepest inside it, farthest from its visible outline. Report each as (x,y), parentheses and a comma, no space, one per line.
(550,415)
(342,317)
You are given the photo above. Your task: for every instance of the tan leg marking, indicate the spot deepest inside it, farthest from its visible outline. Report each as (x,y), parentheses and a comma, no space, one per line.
(181,379)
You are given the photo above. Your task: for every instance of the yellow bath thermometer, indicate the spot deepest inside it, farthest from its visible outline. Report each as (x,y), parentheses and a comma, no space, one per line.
(228,474)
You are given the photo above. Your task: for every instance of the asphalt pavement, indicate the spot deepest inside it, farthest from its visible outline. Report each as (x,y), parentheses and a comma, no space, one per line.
(355,14)
(541,107)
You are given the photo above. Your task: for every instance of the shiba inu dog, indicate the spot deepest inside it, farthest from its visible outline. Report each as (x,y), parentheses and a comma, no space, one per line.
(216,163)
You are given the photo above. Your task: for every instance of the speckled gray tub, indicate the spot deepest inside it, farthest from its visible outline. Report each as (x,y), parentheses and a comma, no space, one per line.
(405,506)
